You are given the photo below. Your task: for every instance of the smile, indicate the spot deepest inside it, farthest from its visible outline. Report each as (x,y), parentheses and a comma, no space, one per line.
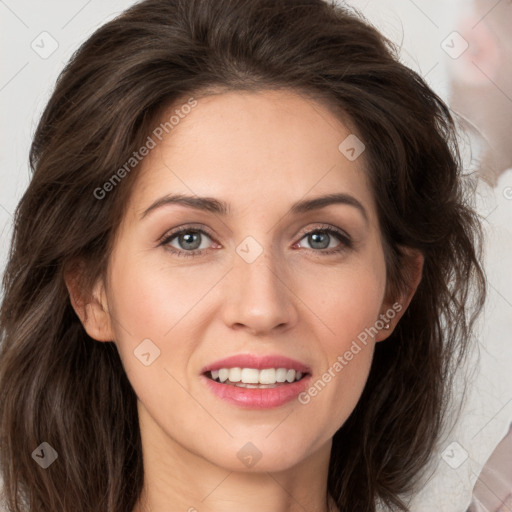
(254,378)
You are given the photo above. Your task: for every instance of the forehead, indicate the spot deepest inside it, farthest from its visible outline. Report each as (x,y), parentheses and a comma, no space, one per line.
(253,149)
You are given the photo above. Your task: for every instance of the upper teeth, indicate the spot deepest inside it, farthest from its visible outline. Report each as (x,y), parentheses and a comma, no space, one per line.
(254,376)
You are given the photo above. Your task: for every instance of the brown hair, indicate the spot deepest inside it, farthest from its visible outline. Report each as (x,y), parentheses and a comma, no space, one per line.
(60,386)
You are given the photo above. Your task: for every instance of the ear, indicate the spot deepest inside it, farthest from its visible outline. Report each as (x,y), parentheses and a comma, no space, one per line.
(393,308)
(90,305)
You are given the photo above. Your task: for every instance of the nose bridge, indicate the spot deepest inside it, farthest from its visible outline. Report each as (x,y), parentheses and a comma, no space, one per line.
(259,298)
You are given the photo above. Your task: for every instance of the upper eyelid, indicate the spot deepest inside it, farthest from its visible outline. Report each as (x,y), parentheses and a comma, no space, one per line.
(180,229)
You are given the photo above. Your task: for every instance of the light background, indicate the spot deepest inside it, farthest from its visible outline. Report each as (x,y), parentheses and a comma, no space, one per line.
(420,27)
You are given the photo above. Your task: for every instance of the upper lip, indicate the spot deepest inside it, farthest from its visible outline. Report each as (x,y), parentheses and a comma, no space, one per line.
(257,362)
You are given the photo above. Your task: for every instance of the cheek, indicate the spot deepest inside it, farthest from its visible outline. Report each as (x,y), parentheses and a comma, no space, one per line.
(354,308)
(150,307)
(348,350)
(347,303)
(150,300)
(346,300)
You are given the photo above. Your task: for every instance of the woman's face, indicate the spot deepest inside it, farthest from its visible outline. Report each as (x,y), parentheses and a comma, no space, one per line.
(252,289)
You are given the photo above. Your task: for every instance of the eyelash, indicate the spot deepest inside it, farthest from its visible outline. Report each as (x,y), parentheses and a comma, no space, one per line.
(346,242)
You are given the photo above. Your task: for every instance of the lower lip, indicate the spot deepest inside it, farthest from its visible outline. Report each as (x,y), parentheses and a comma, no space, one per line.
(256,398)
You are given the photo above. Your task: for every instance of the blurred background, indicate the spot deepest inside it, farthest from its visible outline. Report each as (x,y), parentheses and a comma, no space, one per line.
(463,49)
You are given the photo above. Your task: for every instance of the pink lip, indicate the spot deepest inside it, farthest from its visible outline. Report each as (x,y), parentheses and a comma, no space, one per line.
(254,398)
(257,362)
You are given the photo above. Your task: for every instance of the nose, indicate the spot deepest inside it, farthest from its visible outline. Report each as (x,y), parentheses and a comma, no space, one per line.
(258,297)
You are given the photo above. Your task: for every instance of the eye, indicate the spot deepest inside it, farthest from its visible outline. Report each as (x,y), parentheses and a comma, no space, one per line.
(192,241)
(326,239)
(187,241)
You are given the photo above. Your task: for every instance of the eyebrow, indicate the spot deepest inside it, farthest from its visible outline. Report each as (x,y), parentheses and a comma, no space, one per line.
(219,207)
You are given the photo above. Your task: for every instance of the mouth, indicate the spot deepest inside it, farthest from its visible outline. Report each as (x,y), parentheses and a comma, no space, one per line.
(257,382)
(254,378)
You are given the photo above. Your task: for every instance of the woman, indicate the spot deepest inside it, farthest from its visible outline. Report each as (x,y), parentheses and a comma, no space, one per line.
(243,273)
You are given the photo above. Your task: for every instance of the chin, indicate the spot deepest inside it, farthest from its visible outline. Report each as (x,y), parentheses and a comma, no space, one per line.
(263,455)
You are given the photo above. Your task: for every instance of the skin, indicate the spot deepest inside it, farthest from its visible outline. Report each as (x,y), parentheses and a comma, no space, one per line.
(260,153)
